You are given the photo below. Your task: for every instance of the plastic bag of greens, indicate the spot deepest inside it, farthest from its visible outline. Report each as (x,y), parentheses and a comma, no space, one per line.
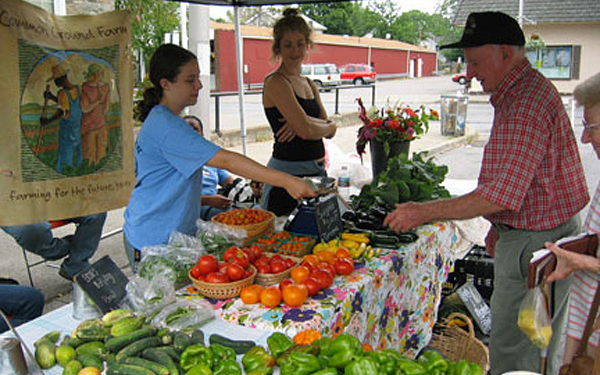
(148,296)
(534,319)
(178,239)
(184,315)
(216,238)
(173,263)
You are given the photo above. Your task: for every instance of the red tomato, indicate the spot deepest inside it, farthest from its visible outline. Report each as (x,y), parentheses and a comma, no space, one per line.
(285,283)
(312,285)
(289,262)
(249,254)
(195,272)
(311,267)
(207,264)
(277,257)
(217,278)
(329,268)
(236,255)
(323,277)
(247,273)
(263,268)
(223,267)
(235,272)
(344,266)
(256,251)
(277,266)
(263,260)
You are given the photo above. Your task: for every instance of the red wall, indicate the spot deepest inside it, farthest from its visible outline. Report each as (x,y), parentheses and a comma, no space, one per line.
(257,57)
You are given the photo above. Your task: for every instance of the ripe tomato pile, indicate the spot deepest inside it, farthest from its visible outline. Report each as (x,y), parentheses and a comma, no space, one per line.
(274,264)
(243,216)
(235,266)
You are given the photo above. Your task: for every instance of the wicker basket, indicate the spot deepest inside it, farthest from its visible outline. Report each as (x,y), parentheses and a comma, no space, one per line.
(253,230)
(268,279)
(456,343)
(225,290)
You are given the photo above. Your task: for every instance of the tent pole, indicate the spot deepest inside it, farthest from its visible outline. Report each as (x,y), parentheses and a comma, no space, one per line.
(240,75)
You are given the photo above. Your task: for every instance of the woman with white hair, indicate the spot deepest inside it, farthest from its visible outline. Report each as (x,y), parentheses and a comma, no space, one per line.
(586,268)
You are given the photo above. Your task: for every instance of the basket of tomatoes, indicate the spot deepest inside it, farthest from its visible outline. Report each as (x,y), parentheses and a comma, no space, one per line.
(222,280)
(253,220)
(273,268)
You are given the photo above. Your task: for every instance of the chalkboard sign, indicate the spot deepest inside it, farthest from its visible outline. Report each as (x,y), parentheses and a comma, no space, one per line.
(329,218)
(104,283)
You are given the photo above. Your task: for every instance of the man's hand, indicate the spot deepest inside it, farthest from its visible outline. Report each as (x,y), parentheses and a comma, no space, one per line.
(299,188)
(217,201)
(490,241)
(568,262)
(405,217)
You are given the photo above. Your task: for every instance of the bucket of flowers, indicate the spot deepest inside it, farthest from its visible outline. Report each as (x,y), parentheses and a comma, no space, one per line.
(389,130)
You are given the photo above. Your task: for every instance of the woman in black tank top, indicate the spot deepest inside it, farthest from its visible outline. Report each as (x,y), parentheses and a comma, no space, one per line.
(294,110)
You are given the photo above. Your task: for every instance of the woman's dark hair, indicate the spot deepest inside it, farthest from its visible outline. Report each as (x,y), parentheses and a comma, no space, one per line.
(166,62)
(291,21)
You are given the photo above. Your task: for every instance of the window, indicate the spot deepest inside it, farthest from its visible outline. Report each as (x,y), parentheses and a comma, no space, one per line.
(351,69)
(361,68)
(556,62)
(305,71)
(320,70)
(47,5)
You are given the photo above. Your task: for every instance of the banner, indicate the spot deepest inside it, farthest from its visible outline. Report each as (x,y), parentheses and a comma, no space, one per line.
(66,94)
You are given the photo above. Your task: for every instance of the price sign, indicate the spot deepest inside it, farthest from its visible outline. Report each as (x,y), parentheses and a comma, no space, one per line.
(104,283)
(329,219)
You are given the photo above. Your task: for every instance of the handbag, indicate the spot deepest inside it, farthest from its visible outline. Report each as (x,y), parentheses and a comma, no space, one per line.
(582,364)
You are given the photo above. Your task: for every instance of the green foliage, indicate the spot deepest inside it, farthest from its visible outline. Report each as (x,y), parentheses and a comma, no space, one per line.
(150,21)
(416,179)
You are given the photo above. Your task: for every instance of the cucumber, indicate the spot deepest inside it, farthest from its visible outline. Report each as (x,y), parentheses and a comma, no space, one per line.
(157,368)
(93,347)
(91,360)
(50,336)
(126,325)
(115,344)
(73,342)
(198,337)
(137,347)
(181,341)
(159,356)
(45,354)
(125,369)
(171,352)
(92,330)
(239,346)
(72,367)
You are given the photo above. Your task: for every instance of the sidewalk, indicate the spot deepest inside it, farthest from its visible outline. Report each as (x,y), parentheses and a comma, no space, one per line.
(58,291)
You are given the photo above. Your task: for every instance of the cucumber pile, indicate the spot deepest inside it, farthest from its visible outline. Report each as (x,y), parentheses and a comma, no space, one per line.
(125,344)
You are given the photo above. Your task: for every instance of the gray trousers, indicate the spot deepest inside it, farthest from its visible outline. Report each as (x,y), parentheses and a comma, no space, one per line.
(510,349)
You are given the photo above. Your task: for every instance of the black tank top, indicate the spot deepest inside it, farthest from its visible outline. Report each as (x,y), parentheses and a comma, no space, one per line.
(297,149)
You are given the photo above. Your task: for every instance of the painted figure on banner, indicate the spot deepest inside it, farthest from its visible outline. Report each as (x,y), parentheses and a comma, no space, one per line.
(75,130)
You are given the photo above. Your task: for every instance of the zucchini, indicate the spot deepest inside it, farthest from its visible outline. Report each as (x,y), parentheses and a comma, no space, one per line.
(91,360)
(239,346)
(157,368)
(125,369)
(159,356)
(137,347)
(114,344)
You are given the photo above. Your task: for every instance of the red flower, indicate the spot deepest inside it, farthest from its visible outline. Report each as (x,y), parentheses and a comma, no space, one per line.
(394,124)
(409,112)
(377,123)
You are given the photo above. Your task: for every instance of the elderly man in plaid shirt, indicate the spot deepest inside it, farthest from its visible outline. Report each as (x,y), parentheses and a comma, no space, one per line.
(531,184)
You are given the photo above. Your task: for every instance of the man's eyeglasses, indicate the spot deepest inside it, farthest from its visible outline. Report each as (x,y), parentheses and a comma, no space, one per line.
(588,127)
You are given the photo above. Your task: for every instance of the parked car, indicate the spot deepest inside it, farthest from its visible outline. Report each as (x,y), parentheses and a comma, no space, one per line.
(324,75)
(357,74)
(460,78)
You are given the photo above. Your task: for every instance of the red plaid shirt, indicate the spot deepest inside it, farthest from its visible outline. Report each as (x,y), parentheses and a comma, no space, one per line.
(531,164)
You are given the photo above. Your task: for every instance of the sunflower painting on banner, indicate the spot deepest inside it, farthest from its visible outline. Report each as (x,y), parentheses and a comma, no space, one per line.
(66,94)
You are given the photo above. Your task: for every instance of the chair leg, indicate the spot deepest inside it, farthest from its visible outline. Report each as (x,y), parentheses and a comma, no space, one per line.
(28,267)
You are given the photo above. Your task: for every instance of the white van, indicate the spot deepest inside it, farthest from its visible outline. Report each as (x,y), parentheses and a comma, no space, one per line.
(324,75)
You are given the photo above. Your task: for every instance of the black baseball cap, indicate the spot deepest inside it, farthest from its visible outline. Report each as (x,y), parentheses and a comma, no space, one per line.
(489,28)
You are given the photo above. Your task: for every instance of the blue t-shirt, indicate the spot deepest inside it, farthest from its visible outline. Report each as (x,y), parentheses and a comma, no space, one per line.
(169,157)
(213,177)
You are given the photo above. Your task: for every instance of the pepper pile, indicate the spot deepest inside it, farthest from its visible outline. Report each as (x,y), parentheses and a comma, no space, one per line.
(345,355)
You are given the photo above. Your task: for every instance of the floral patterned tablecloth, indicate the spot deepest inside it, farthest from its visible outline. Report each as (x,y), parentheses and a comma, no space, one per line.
(389,302)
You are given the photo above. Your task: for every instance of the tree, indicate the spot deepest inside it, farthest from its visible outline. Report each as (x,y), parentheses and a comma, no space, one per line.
(249,13)
(150,21)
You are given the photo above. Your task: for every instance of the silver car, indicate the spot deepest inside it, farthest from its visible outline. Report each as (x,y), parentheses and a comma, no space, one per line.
(324,75)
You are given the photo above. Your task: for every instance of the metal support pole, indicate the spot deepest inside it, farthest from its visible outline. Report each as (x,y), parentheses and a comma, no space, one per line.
(240,74)
(373,94)
(218,115)
(337,101)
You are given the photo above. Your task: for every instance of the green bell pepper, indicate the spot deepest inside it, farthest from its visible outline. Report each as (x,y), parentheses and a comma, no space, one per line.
(385,361)
(221,352)
(362,366)
(278,343)
(228,367)
(199,369)
(475,369)
(326,371)
(462,367)
(411,368)
(433,362)
(194,355)
(342,350)
(300,364)
(258,361)
(308,349)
